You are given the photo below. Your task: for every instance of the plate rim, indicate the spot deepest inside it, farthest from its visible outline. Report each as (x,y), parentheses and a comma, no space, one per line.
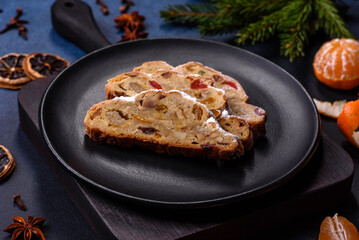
(192,204)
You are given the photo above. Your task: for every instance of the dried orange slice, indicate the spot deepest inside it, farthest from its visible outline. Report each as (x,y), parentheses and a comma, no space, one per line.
(336,64)
(348,122)
(337,228)
(40,65)
(11,71)
(7,163)
(11,86)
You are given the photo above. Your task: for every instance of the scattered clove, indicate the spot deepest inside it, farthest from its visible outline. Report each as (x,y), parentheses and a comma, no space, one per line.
(103,7)
(124,8)
(18,23)
(19,202)
(128,2)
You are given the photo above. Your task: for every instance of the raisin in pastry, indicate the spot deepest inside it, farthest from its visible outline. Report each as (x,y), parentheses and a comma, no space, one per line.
(164,122)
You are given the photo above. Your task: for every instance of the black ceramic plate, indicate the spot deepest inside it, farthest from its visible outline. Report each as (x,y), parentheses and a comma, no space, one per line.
(292,128)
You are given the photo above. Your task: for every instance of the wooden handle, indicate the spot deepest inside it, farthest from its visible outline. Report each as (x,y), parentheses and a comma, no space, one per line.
(73,20)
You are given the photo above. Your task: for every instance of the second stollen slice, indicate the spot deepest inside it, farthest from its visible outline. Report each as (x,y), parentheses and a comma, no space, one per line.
(164,122)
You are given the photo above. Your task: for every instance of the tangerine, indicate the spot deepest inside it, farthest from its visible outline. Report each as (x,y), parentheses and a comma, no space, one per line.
(338,228)
(348,122)
(336,64)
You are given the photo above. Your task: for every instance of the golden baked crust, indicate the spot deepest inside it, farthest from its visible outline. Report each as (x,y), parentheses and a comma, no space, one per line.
(164,122)
(153,66)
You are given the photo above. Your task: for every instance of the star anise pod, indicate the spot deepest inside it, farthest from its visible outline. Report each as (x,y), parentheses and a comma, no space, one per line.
(133,35)
(131,21)
(19,228)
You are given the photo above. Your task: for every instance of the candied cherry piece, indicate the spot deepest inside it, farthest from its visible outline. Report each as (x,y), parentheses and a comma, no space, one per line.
(232,84)
(197,84)
(155,84)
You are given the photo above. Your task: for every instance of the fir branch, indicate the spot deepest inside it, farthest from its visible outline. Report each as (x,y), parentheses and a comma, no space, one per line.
(294,30)
(249,9)
(260,30)
(258,20)
(220,26)
(331,22)
(292,43)
(189,14)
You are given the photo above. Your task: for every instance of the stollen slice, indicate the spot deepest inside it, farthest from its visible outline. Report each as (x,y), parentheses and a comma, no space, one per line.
(130,84)
(236,97)
(164,122)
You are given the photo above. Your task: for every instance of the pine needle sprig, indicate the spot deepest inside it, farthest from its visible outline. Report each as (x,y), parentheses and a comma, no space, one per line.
(189,14)
(220,26)
(295,29)
(330,20)
(293,21)
(260,30)
(249,9)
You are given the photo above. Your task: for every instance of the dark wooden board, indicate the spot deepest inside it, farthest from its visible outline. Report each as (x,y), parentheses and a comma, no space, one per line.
(328,176)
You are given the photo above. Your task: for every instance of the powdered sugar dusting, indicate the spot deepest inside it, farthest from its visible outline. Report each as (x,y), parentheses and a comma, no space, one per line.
(126,99)
(185,95)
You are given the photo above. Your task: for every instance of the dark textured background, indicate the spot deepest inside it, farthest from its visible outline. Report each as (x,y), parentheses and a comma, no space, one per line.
(41,191)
